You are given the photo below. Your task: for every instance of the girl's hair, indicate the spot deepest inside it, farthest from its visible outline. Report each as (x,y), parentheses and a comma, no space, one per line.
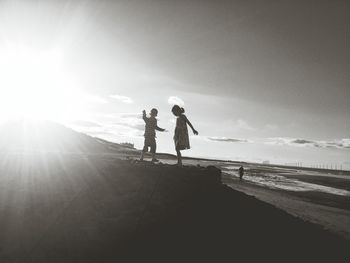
(178,109)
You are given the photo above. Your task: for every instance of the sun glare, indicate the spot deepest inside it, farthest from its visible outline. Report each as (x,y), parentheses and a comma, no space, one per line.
(35,85)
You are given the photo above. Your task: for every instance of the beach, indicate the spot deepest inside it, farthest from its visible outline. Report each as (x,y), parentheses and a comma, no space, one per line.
(314,195)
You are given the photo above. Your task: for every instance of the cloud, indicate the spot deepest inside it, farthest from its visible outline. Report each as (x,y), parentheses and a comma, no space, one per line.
(225,139)
(239,125)
(130,115)
(242,124)
(173,100)
(338,144)
(289,141)
(116,125)
(131,120)
(125,130)
(94,99)
(270,127)
(136,126)
(84,123)
(342,143)
(124,99)
(302,141)
(114,131)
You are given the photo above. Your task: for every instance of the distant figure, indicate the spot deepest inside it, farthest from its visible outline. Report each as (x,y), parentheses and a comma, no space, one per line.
(181,138)
(150,133)
(241,172)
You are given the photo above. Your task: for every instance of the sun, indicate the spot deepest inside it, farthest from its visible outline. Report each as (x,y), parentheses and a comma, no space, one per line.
(34,84)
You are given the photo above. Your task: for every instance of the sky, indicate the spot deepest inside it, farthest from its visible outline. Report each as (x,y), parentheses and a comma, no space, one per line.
(260,80)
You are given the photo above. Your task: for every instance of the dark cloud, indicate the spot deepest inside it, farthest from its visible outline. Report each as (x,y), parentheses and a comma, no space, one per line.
(301,141)
(343,144)
(338,144)
(224,139)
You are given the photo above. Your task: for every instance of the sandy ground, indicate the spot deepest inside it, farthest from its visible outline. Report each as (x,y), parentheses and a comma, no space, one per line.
(97,208)
(336,220)
(331,211)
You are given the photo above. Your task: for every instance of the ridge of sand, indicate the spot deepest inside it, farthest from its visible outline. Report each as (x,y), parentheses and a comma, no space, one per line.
(76,208)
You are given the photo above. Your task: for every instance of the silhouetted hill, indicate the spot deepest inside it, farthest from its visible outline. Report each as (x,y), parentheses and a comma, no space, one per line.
(96,207)
(48,136)
(75,208)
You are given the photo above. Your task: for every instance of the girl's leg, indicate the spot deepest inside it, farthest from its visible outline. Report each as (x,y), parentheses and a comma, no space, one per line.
(142,155)
(179,157)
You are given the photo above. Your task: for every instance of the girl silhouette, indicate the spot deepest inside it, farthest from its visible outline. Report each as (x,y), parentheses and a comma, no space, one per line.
(181,138)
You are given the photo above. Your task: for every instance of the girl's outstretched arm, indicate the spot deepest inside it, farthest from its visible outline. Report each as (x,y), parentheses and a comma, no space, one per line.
(190,124)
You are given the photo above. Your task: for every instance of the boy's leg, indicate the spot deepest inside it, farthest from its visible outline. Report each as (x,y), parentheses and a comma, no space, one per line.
(153,151)
(145,149)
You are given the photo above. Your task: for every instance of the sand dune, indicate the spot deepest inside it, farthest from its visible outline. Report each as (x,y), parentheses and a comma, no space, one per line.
(81,207)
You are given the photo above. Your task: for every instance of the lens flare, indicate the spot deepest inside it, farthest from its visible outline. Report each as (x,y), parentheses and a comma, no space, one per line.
(35,85)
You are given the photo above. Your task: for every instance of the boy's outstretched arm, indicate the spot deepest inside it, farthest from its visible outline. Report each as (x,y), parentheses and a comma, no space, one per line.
(190,124)
(159,129)
(144,116)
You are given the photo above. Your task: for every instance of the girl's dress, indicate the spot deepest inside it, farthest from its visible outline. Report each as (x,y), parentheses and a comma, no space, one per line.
(181,139)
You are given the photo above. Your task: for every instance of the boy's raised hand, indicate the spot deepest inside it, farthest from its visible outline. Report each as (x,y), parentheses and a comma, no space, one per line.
(195,132)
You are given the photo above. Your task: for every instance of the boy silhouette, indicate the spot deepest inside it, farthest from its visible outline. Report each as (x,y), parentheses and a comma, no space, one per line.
(150,133)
